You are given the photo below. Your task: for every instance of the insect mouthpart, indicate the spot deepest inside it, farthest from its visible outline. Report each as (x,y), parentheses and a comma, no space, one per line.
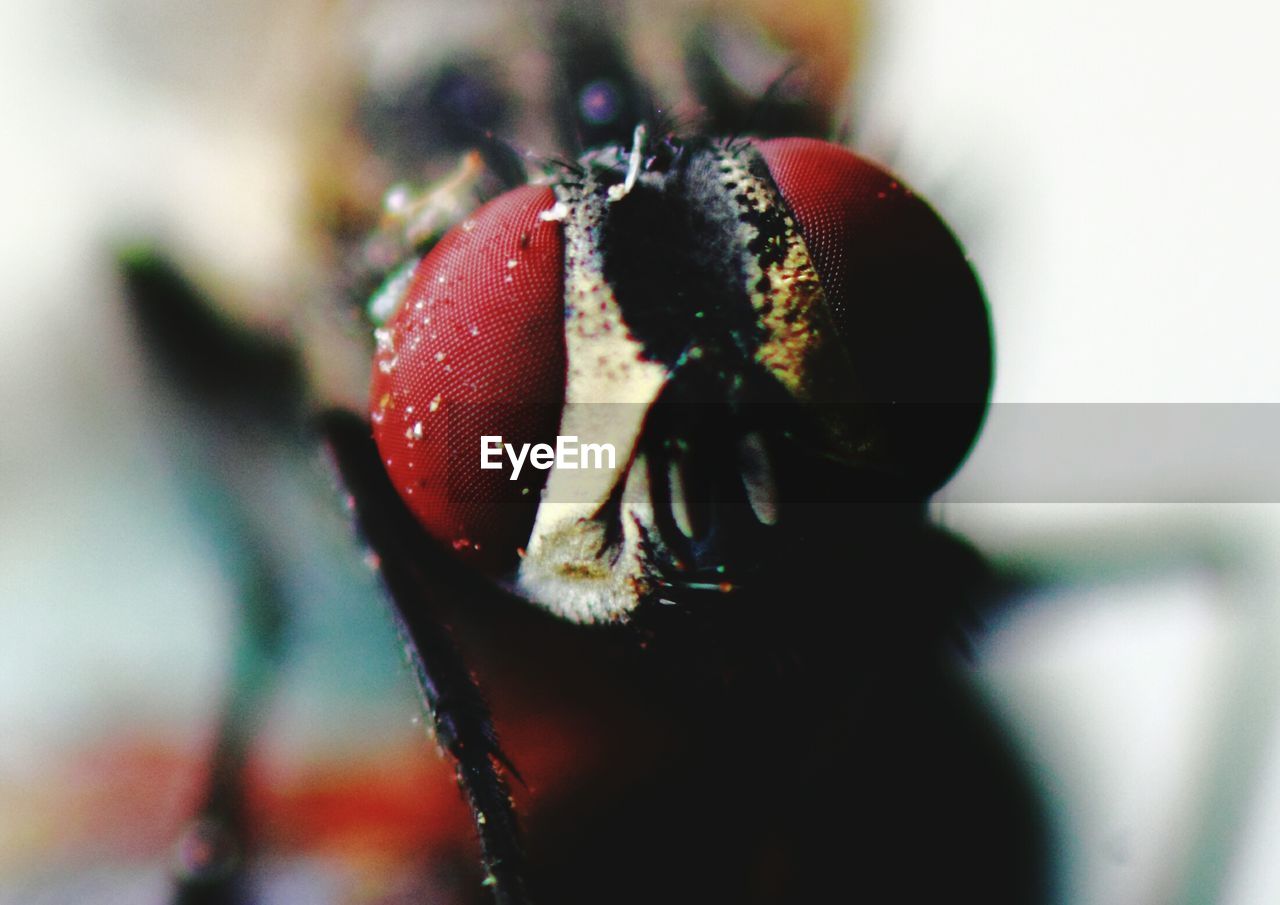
(695,325)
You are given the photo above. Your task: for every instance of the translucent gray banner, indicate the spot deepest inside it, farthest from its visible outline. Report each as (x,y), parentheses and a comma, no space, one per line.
(1124,453)
(1032,453)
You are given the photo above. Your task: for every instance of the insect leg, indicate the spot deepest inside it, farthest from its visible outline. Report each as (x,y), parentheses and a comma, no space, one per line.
(232,391)
(415,574)
(212,854)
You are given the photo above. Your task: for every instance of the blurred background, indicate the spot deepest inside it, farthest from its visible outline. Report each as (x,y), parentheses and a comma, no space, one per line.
(1110,168)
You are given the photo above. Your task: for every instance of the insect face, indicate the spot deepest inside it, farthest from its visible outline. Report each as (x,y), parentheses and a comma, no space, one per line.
(752,327)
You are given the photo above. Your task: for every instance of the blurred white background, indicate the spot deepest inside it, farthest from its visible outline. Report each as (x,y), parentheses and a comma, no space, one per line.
(1111,168)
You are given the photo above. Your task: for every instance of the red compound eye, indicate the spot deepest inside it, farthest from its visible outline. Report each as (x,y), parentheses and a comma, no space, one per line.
(904,298)
(476,348)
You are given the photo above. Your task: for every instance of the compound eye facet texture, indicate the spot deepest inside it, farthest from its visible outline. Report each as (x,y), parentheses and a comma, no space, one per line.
(475,349)
(904,298)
